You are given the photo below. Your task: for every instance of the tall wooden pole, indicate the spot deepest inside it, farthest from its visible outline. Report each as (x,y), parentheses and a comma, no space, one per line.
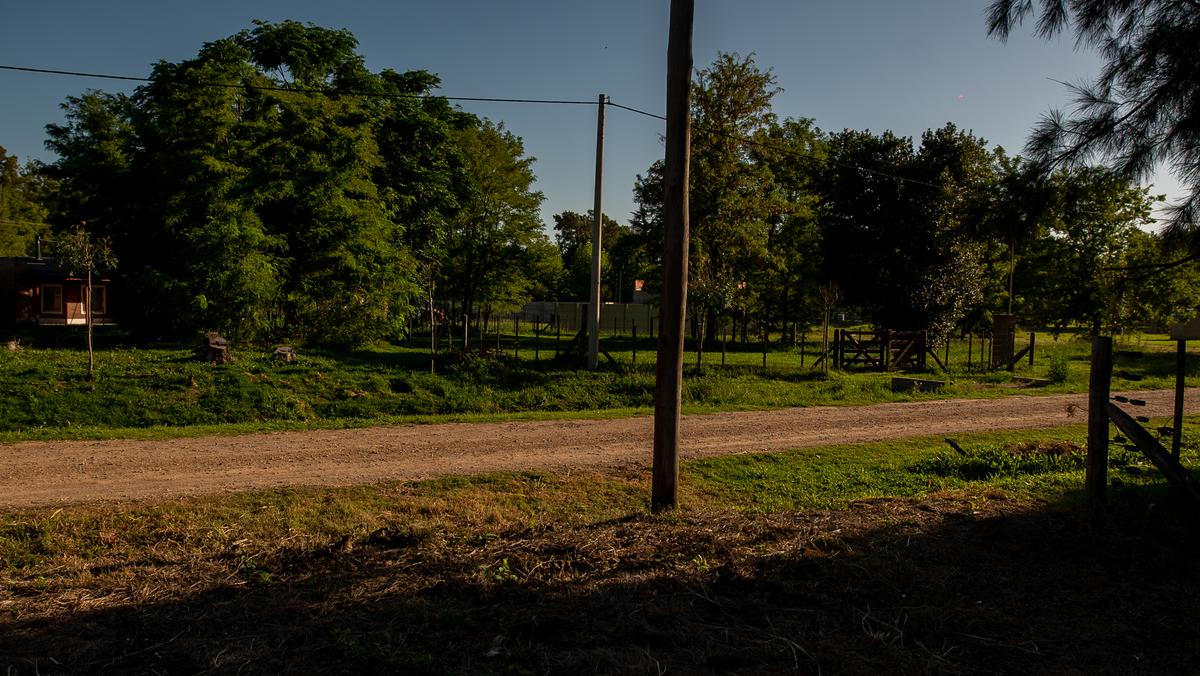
(593,355)
(669,370)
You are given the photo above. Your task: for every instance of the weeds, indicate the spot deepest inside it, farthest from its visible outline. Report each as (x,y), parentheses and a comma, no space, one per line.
(992,461)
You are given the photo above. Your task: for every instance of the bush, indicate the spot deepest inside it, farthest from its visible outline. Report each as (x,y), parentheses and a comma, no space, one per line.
(1058,370)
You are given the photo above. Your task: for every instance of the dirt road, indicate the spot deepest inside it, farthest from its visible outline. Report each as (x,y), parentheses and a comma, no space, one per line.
(47,473)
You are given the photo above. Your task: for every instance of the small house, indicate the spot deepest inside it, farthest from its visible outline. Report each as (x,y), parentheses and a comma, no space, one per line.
(40,291)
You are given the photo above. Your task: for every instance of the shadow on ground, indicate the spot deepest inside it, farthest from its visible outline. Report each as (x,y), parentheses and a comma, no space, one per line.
(944,585)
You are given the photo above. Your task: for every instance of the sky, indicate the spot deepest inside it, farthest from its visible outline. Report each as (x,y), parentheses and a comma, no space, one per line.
(858,64)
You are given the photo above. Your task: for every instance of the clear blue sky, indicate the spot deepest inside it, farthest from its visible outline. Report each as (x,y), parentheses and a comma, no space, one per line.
(860,64)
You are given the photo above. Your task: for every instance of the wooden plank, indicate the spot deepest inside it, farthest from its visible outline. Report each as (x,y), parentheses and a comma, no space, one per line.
(1179,477)
(936,360)
(1012,364)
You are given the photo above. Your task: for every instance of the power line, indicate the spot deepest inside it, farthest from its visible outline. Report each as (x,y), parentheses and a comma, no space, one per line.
(477,99)
(782,149)
(48,71)
(304,90)
(635,110)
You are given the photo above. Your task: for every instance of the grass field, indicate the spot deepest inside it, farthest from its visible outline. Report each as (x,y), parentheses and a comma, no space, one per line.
(898,557)
(166,391)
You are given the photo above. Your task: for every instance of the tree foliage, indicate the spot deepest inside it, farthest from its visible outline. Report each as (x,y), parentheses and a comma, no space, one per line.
(496,252)
(23,192)
(270,187)
(1143,109)
(573,236)
(733,198)
(1075,272)
(897,225)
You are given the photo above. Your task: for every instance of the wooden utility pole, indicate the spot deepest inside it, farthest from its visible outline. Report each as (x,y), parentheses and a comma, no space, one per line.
(593,355)
(669,370)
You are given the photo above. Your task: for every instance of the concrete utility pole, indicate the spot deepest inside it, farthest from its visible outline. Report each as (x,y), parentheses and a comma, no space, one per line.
(668,393)
(597,228)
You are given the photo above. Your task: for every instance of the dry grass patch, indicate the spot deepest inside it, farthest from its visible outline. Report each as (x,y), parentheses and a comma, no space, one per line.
(535,574)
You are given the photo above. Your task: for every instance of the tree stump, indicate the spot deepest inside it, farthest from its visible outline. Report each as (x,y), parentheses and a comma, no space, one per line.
(215,349)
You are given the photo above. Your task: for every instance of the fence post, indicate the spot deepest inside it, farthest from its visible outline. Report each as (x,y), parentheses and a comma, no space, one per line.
(803,343)
(1180,368)
(1032,345)
(723,335)
(557,333)
(948,354)
(1096,481)
(517,338)
(765,336)
(635,343)
(537,342)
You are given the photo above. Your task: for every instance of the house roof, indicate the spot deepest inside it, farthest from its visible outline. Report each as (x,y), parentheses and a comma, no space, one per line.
(29,268)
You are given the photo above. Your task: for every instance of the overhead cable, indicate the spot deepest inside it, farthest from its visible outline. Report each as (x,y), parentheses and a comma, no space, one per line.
(304,90)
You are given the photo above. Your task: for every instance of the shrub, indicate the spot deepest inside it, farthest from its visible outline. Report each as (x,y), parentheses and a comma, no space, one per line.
(1058,369)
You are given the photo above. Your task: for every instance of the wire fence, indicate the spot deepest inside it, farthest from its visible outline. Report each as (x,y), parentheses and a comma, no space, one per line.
(554,334)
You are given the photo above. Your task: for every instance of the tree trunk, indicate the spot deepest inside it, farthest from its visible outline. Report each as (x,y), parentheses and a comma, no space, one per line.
(710,326)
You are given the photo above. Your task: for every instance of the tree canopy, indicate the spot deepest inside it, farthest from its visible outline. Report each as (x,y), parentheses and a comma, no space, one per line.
(22,210)
(1143,109)
(298,194)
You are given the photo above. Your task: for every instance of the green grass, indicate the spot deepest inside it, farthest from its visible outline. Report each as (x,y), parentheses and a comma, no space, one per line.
(164,392)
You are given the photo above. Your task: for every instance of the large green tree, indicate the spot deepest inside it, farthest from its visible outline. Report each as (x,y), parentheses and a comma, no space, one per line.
(787,286)
(1076,272)
(496,254)
(897,224)
(732,196)
(270,187)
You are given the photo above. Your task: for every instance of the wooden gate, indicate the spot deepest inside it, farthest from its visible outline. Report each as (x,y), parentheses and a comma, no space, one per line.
(880,350)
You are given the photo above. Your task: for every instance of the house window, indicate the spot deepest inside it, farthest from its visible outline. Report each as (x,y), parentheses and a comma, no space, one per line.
(99,300)
(52,299)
